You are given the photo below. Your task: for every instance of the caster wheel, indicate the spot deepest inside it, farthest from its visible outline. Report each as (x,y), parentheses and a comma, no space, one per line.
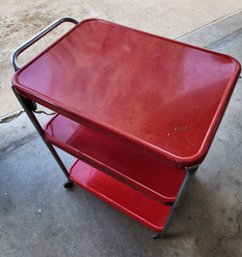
(68,184)
(156,236)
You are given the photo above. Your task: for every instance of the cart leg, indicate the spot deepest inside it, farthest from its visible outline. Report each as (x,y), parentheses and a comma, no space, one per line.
(190,171)
(37,126)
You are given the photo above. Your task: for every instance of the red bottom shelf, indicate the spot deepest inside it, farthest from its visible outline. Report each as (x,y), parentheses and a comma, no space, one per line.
(149,212)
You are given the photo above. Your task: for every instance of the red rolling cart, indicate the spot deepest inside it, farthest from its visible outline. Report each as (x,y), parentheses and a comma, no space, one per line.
(137,110)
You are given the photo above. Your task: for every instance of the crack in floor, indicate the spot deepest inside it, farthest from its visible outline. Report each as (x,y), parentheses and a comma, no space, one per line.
(222,238)
(11,117)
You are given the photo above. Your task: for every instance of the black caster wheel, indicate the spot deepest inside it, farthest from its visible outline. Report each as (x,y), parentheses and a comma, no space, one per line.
(68,184)
(156,236)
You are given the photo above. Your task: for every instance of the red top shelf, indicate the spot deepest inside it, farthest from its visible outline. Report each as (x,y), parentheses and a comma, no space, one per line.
(164,95)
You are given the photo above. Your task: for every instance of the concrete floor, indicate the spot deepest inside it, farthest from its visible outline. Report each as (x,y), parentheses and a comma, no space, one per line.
(38,217)
(22,19)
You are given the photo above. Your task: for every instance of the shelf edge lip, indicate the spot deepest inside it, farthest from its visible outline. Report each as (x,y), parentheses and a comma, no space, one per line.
(165,200)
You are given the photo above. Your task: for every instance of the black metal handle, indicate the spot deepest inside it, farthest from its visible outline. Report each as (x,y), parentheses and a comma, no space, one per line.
(36,37)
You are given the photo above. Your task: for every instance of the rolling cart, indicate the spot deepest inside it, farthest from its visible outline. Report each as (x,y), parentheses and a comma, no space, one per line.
(137,110)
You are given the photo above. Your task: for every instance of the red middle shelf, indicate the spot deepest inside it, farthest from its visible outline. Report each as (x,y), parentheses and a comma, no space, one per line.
(148,175)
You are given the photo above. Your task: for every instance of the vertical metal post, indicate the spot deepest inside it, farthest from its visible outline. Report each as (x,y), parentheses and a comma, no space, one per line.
(27,105)
(38,127)
(190,171)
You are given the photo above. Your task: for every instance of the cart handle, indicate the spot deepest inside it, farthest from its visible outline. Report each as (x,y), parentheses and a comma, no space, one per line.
(36,37)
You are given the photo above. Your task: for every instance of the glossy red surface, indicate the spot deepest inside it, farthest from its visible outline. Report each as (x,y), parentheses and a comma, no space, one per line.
(129,165)
(147,211)
(164,95)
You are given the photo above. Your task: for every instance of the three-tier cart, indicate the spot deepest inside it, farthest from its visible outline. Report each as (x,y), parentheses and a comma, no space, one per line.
(138,111)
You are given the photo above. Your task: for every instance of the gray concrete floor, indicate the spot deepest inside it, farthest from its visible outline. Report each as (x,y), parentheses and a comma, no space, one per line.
(38,217)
